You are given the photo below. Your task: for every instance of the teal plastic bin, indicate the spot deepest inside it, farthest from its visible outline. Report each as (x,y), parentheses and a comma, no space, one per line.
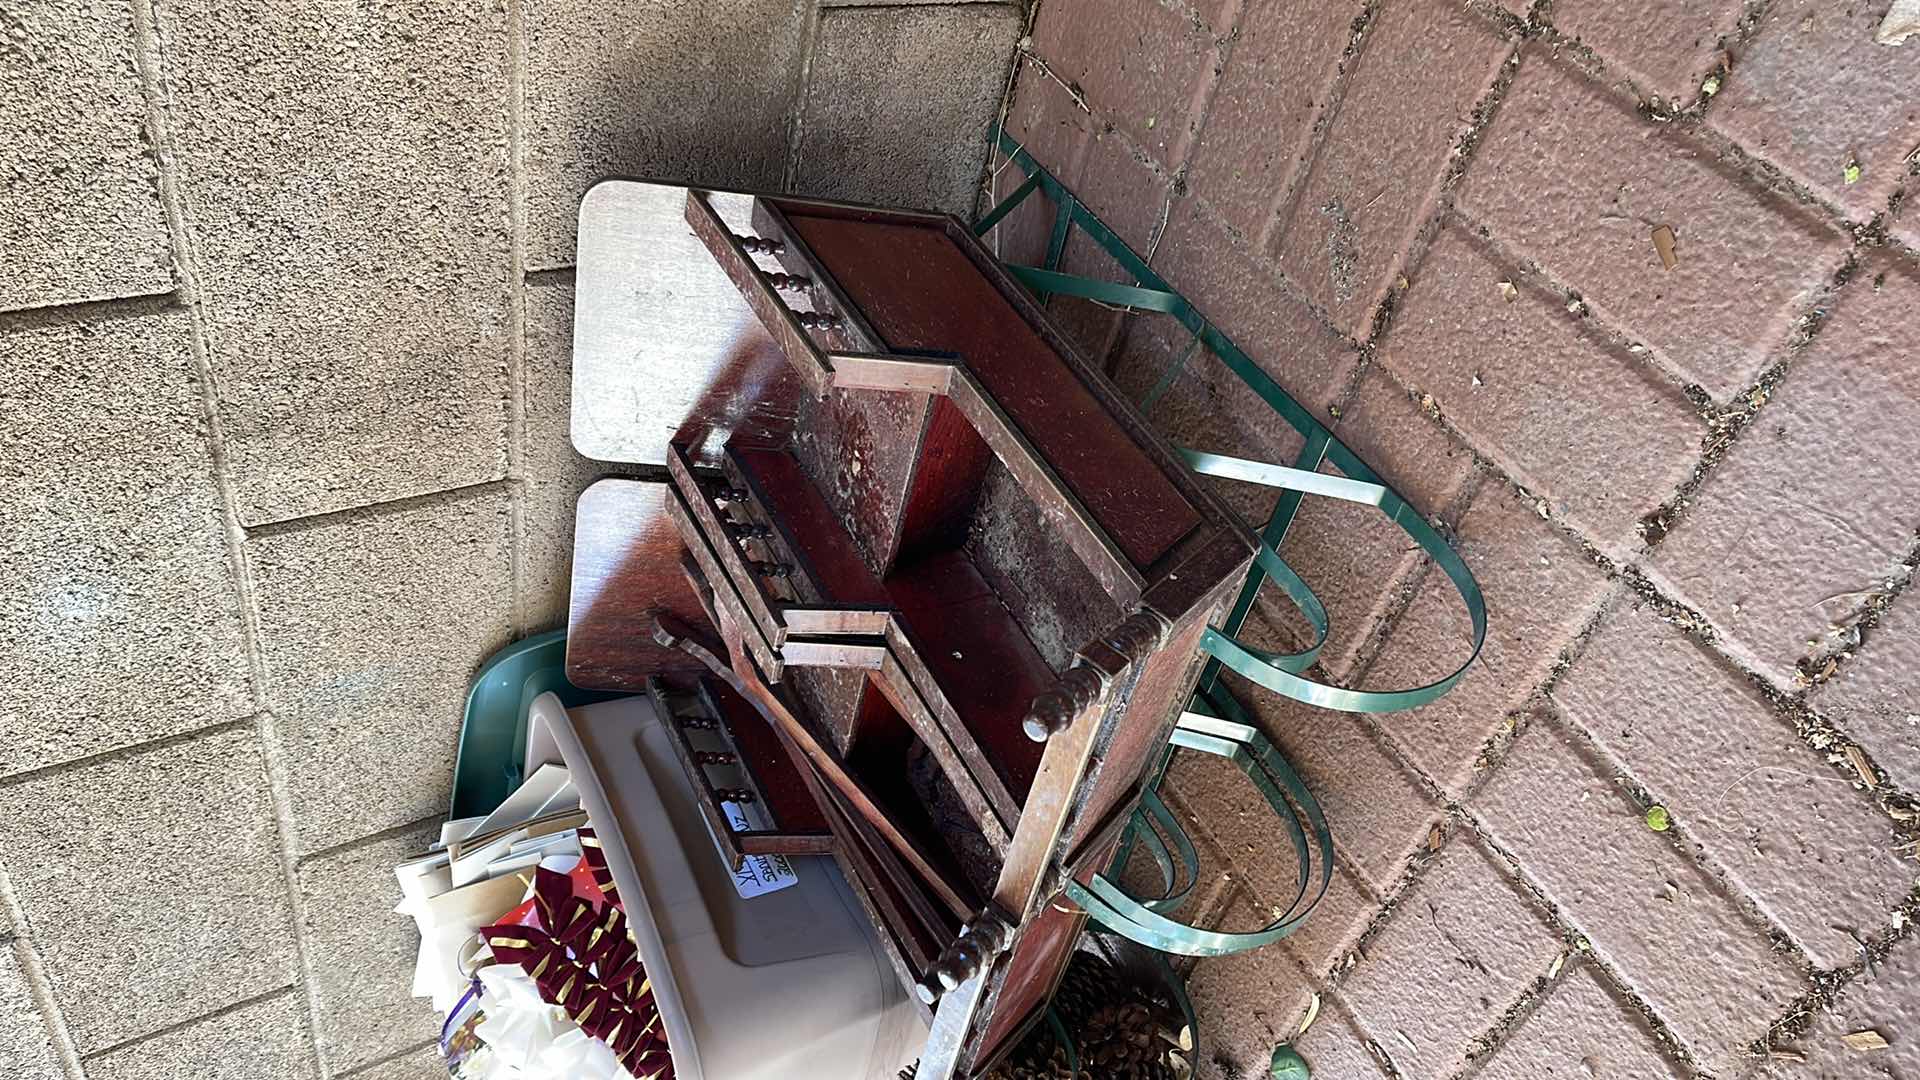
(493,736)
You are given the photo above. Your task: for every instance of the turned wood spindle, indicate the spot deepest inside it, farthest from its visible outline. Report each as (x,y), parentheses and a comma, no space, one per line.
(734,795)
(760,245)
(748,531)
(725,494)
(713,757)
(1084,685)
(788,282)
(1138,636)
(817,320)
(986,937)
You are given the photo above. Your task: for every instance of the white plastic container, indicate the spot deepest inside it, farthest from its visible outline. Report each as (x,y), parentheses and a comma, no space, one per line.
(789,984)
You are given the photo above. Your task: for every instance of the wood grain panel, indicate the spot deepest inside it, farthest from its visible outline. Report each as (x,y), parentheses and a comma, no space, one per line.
(979,657)
(919,291)
(626,564)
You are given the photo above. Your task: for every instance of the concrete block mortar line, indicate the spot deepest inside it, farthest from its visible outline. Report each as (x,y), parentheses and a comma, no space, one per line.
(364,1070)
(983,196)
(151,64)
(517,300)
(17,918)
(121,753)
(282,824)
(224,1010)
(37,982)
(802,77)
(371,838)
(281,788)
(91,311)
(551,275)
(283,526)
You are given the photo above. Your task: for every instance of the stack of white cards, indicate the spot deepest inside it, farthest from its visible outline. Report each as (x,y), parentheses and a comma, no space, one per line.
(479,872)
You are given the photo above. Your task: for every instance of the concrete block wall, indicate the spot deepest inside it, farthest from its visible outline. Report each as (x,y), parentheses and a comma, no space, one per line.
(285,302)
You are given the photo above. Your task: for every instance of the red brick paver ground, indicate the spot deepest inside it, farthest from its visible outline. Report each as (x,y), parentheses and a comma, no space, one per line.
(1688,493)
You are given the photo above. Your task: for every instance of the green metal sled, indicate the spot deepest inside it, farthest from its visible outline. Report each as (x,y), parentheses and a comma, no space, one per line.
(1215,721)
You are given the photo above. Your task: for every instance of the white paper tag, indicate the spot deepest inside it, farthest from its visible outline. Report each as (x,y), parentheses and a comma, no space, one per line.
(759,874)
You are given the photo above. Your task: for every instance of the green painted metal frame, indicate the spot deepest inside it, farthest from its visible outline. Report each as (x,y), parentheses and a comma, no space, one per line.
(1215,721)
(1358,482)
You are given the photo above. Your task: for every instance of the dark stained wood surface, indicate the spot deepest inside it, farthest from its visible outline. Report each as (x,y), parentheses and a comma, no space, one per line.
(1042,582)
(858,448)
(711,520)
(831,562)
(1139,732)
(766,759)
(979,658)
(893,479)
(1027,978)
(953,460)
(626,564)
(665,349)
(929,861)
(1129,743)
(921,292)
(766,303)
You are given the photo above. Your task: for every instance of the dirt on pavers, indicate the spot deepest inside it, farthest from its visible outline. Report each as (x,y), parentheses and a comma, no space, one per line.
(1727,419)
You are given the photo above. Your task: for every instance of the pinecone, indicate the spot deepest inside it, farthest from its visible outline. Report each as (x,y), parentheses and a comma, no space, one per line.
(1121,1031)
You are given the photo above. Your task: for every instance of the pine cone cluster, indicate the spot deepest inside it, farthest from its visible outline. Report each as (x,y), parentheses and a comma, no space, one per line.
(1121,1031)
